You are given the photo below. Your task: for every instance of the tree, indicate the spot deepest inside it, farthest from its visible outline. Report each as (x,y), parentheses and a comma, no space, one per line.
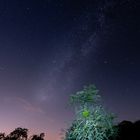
(19,134)
(40,137)
(92,121)
(2,136)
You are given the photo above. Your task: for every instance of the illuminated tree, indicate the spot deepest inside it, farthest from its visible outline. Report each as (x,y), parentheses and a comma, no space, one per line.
(92,121)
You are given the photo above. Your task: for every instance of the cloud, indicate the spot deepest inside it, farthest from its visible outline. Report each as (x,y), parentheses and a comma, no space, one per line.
(26,105)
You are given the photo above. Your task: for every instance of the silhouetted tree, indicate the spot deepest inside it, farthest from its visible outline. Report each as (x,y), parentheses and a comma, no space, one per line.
(19,134)
(2,136)
(38,137)
(128,130)
(125,130)
(136,130)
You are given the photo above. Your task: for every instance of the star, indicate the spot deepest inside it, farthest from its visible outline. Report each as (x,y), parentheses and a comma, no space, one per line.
(105,62)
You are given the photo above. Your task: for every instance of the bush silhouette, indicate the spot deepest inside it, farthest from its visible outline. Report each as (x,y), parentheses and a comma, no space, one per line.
(128,130)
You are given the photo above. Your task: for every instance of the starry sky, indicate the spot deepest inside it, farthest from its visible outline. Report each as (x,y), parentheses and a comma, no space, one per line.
(49,49)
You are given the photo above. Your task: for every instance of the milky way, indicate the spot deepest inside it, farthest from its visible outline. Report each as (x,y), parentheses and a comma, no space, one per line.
(51,49)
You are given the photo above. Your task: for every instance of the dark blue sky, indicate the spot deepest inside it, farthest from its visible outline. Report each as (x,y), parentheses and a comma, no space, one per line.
(50,49)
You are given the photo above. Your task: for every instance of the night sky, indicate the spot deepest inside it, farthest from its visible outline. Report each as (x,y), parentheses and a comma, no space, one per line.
(49,49)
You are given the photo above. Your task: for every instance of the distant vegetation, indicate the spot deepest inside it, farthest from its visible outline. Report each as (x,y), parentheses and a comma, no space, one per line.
(21,134)
(128,130)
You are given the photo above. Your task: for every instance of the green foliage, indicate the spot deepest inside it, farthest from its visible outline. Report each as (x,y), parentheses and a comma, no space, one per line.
(92,121)
(88,95)
(86,113)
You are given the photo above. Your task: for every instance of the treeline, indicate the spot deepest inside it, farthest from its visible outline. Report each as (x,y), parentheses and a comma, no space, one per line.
(21,134)
(92,122)
(126,130)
